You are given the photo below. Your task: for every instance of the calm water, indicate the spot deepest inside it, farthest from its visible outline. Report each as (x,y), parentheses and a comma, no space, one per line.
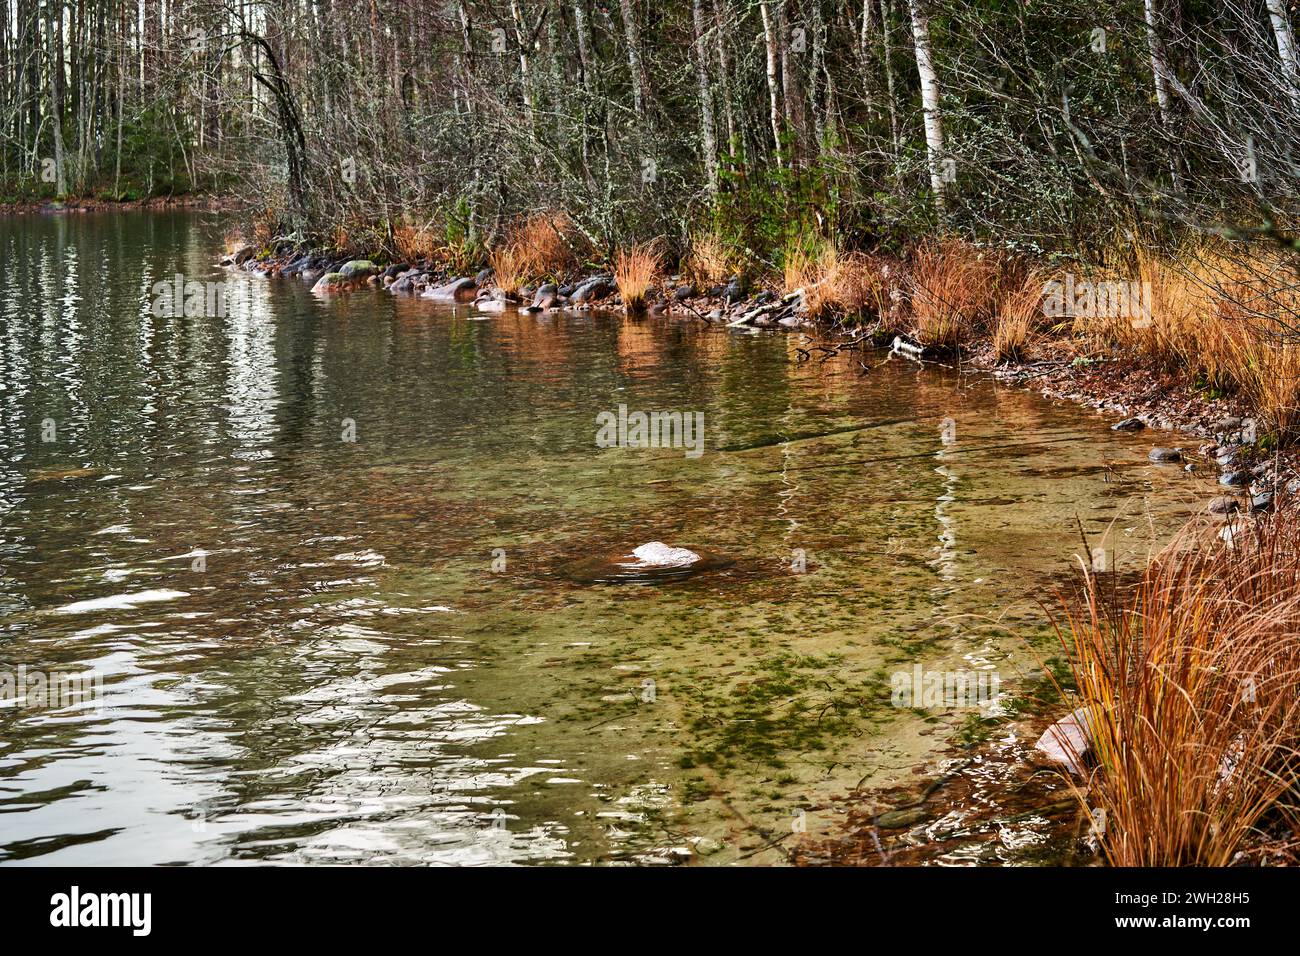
(321,650)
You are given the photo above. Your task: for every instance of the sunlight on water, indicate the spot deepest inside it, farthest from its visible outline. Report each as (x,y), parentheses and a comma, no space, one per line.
(317,649)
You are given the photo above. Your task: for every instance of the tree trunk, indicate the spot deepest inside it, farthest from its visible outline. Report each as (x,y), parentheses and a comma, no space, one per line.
(54,37)
(773,81)
(708,132)
(1285,48)
(929,101)
(633,34)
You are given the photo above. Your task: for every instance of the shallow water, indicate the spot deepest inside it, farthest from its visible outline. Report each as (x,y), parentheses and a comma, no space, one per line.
(314,649)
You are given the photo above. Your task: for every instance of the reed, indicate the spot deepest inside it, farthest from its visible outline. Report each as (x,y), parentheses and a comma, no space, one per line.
(635,268)
(1189,681)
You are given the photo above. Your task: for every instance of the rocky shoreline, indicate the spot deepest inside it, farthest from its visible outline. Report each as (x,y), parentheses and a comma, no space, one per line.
(1220,434)
(81,204)
(732,303)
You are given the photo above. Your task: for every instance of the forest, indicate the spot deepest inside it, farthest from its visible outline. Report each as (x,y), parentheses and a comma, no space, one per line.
(1042,127)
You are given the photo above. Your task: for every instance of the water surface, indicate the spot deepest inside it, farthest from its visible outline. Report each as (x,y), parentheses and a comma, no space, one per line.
(317,649)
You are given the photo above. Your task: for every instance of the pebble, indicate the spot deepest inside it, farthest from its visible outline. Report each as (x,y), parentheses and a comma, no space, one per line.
(1223,505)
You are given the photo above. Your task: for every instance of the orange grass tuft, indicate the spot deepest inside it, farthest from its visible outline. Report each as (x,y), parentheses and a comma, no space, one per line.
(1190,685)
(635,269)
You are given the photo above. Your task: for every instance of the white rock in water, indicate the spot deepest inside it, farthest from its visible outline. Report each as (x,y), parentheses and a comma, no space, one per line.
(660,555)
(1067,742)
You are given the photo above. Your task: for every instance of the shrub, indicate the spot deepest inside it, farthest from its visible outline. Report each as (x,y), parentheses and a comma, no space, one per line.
(1190,686)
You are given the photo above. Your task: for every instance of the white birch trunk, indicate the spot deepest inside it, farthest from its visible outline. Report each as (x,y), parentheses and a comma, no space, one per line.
(929,101)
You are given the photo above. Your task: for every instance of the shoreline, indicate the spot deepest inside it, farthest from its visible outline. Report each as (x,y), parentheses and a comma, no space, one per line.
(84,204)
(1203,433)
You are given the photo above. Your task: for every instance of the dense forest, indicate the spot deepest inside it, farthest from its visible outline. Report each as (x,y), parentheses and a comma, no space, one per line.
(1043,124)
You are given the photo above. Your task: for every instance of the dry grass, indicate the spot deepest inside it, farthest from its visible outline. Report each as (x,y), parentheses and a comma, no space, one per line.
(233,241)
(1266,368)
(510,267)
(264,228)
(1017,317)
(635,269)
(1190,684)
(543,245)
(954,289)
(1223,314)
(414,242)
(710,260)
(547,243)
(834,283)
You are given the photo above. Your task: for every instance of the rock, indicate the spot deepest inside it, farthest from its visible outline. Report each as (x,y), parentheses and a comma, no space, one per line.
(763,297)
(546,297)
(657,554)
(1232,531)
(1068,742)
(790,322)
(684,292)
(1234,478)
(1227,455)
(1165,454)
(403,284)
(1129,425)
(393,271)
(650,563)
(592,290)
(496,302)
(905,817)
(310,275)
(658,309)
(242,255)
(1262,502)
(458,290)
(714,291)
(1227,426)
(705,846)
(485,277)
(330,282)
(735,291)
(356,269)
(1223,505)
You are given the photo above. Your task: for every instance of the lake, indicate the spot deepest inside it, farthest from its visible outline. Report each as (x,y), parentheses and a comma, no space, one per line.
(327,563)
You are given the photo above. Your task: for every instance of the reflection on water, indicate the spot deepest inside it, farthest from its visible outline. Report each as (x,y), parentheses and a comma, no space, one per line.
(322,650)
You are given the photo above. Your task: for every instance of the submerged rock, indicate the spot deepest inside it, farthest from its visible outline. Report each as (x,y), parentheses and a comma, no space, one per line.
(651,563)
(1129,425)
(1165,454)
(903,817)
